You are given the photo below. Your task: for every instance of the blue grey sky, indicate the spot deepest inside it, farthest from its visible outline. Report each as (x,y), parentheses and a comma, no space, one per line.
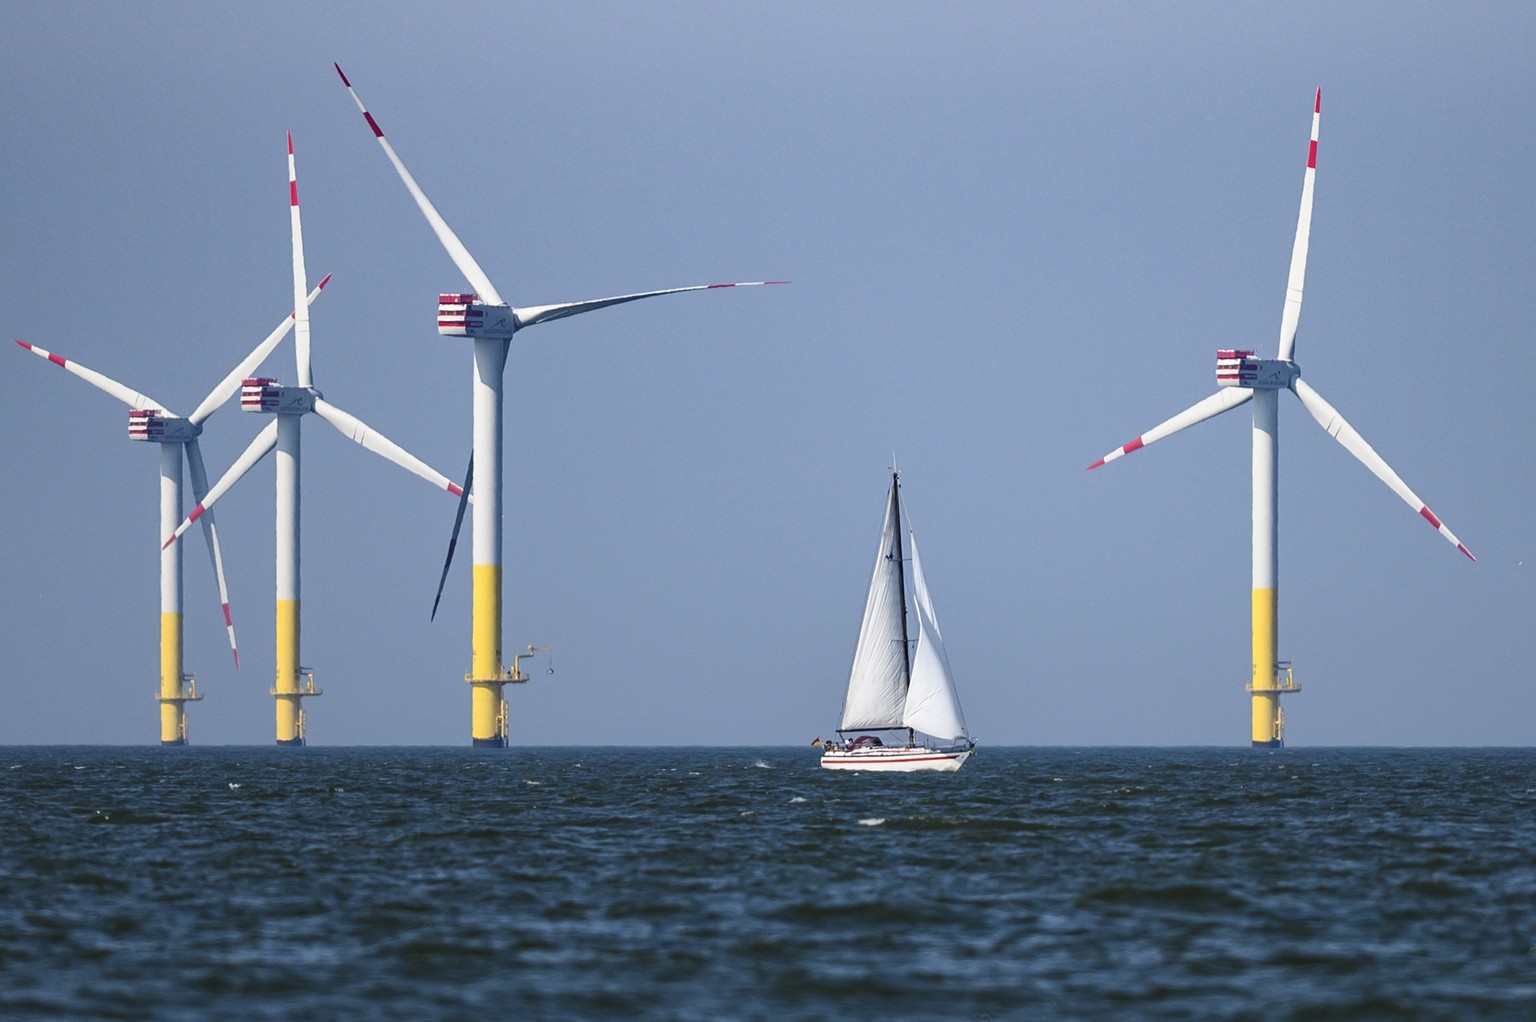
(1017,235)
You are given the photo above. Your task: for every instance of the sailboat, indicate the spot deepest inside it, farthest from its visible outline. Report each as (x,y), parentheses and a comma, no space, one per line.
(899,687)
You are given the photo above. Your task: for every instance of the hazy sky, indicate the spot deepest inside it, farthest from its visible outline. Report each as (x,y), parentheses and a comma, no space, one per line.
(1017,235)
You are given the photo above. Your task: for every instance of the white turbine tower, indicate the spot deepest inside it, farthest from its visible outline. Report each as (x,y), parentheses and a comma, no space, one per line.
(152,421)
(290,405)
(491,322)
(1241,378)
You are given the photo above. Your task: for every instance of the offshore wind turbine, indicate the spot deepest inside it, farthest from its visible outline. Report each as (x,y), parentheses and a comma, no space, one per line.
(152,421)
(289,405)
(483,316)
(1241,377)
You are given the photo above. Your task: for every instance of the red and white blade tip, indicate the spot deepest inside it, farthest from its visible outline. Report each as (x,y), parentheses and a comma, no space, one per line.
(747,283)
(58,360)
(377,131)
(1430,517)
(229,626)
(290,143)
(197,513)
(1134,445)
(1317,107)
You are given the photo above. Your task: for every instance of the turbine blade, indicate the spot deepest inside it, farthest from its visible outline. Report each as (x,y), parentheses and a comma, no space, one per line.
(1223,400)
(354,429)
(453,540)
(300,279)
(450,241)
(199,476)
(231,383)
(545,313)
(125,394)
(1329,418)
(260,446)
(1290,316)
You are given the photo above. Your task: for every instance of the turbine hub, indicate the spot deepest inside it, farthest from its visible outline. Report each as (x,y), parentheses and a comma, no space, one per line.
(1237,368)
(161,427)
(265,394)
(465,315)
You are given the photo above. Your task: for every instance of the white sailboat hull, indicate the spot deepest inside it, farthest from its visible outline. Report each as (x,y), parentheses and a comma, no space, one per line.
(896,760)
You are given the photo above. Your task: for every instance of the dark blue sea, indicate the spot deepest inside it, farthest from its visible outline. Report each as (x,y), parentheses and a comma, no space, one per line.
(706,883)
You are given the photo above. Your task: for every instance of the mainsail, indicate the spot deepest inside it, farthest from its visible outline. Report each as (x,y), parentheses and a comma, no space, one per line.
(877,683)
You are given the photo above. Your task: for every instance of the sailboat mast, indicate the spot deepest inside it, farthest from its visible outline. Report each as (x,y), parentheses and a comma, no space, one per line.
(901,580)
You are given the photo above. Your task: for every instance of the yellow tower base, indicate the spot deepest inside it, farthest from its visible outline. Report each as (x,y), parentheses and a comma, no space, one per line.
(1272,677)
(489,705)
(176,688)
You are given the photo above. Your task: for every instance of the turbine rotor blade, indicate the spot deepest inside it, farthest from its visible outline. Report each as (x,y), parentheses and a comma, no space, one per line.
(125,394)
(354,429)
(445,236)
(258,355)
(300,279)
(1290,316)
(453,540)
(1337,427)
(199,475)
(1223,400)
(545,313)
(258,449)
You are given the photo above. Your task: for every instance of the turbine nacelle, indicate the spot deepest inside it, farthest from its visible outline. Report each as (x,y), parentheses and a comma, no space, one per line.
(465,315)
(265,394)
(161,427)
(1236,368)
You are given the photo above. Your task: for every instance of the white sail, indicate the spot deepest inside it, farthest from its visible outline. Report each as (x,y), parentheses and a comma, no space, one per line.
(932,706)
(877,683)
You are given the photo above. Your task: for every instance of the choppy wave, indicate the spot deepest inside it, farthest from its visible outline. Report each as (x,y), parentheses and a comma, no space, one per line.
(656,883)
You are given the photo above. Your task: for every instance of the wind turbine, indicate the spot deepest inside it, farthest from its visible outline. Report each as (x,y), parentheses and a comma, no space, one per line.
(152,421)
(289,405)
(1241,377)
(490,322)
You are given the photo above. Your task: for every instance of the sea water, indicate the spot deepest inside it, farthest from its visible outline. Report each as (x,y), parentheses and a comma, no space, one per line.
(707,883)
